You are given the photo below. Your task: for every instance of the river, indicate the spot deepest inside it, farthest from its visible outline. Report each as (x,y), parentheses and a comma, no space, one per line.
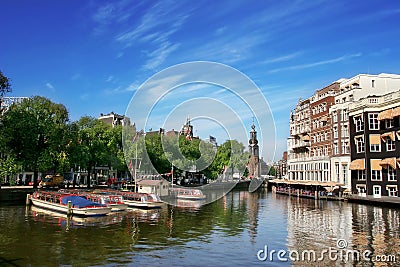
(240,229)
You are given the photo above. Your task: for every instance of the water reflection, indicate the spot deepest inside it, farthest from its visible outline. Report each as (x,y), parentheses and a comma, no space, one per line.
(67,222)
(229,231)
(348,229)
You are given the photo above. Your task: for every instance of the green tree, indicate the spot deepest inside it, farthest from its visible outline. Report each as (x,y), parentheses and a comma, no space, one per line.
(272,171)
(5,85)
(93,141)
(31,133)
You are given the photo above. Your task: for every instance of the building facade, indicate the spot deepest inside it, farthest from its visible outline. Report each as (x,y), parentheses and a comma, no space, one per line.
(375,143)
(299,140)
(320,142)
(114,119)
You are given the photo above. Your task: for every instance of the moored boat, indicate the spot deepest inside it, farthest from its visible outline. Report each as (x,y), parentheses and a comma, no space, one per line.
(138,200)
(188,193)
(68,203)
(115,202)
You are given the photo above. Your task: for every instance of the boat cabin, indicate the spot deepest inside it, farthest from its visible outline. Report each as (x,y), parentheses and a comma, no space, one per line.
(159,187)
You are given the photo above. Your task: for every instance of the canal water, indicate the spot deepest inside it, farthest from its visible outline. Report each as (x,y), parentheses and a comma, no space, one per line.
(240,229)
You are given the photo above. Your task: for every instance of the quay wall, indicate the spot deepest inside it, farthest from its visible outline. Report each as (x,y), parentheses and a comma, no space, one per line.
(14,194)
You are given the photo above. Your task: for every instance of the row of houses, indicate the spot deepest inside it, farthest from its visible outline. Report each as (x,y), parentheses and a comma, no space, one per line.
(348,132)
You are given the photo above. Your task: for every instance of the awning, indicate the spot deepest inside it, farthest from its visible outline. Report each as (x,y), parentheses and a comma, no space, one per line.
(391,186)
(324,118)
(385,115)
(389,134)
(388,161)
(357,164)
(396,112)
(332,183)
(398,162)
(356,117)
(398,134)
(374,139)
(375,165)
(306,138)
(358,137)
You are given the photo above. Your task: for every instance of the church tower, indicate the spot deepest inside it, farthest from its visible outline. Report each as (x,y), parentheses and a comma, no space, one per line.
(254,161)
(187,130)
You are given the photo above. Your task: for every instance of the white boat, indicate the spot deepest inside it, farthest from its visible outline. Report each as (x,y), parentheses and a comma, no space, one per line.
(68,203)
(115,202)
(142,200)
(137,200)
(188,194)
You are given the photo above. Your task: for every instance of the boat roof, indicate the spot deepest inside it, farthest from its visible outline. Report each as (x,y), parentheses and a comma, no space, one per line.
(79,202)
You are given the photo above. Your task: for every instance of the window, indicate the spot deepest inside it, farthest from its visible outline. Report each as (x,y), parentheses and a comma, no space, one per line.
(377,190)
(344,173)
(391,174)
(376,175)
(360,175)
(373,83)
(374,143)
(375,148)
(373,121)
(345,148)
(335,117)
(389,123)
(390,145)
(345,131)
(360,188)
(392,190)
(335,149)
(337,171)
(360,144)
(359,123)
(335,132)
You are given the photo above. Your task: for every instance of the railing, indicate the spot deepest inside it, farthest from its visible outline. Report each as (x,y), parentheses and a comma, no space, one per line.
(299,144)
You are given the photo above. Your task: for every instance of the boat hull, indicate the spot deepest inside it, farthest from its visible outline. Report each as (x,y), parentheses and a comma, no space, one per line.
(143,204)
(118,207)
(98,211)
(194,198)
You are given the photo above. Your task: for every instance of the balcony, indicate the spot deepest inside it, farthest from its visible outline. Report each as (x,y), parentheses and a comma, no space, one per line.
(300,144)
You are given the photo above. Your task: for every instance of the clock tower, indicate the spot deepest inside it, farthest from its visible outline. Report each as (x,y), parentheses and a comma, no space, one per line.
(254,161)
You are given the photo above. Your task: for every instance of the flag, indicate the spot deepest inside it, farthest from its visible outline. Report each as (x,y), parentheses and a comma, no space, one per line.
(134,138)
(130,165)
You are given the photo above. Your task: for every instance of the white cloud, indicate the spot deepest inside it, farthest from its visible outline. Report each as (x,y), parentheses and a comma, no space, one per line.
(50,86)
(283,58)
(318,63)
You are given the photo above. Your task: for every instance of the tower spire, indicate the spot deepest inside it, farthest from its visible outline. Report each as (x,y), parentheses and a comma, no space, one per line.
(254,160)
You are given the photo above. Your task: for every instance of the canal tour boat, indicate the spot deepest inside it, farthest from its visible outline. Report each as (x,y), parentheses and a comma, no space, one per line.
(142,200)
(115,202)
(137,200)
(188,193)
(68,203)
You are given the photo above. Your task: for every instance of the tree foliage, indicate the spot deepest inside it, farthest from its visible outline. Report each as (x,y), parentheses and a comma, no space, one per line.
(5,85)
(36,135)
(32,133)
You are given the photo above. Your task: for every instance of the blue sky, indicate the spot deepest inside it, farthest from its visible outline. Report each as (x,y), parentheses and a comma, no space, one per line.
(92,56)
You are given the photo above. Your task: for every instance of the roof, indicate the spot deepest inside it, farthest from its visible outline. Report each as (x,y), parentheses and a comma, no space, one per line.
(151,182)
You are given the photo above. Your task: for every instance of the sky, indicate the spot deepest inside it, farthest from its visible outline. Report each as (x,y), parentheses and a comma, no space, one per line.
(100,56)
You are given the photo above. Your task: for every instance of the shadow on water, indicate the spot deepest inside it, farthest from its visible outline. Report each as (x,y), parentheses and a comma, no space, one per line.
(9,262)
